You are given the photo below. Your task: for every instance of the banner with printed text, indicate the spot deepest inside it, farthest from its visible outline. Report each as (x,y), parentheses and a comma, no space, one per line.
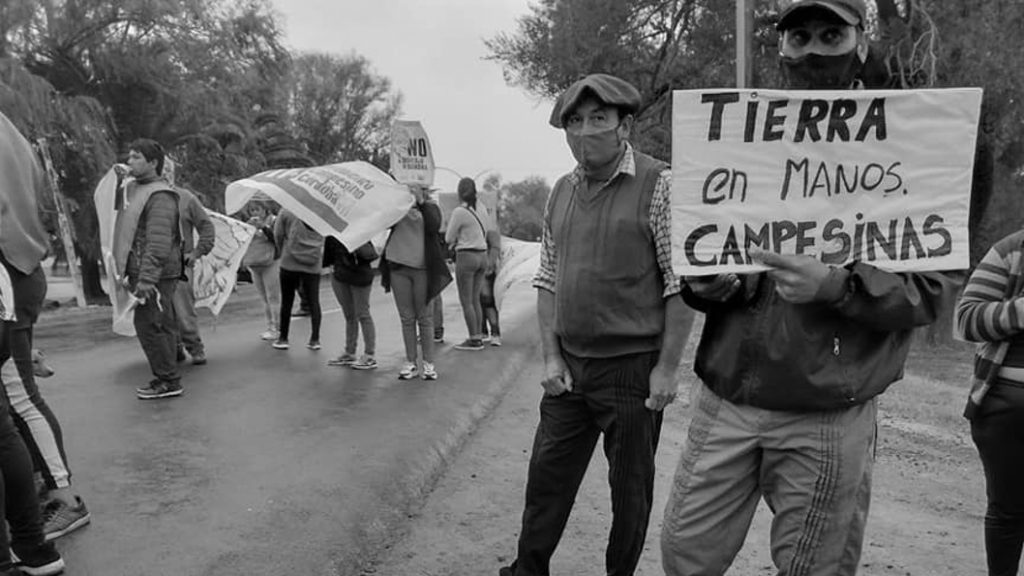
(352,201)
(882,177)
(214,275)
(412,160)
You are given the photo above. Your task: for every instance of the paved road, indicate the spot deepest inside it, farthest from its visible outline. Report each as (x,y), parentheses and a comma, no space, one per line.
(272,462)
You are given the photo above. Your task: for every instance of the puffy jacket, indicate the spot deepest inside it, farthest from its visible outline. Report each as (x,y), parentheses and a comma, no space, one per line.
(156,247)
(759,350)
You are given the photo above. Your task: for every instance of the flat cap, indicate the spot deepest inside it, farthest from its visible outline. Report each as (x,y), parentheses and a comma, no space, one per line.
(609,89)
(853,12)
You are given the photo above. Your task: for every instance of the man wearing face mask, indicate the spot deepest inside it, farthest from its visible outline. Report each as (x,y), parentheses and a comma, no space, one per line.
(791,362)
(612,326)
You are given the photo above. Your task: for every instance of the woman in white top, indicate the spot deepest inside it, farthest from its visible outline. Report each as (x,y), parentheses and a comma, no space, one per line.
(468,234)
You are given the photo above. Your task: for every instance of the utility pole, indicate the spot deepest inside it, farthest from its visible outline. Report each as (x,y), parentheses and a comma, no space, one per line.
(62,222)
(744,43)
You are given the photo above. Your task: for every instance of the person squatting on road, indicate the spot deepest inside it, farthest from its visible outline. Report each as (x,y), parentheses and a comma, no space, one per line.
(23,245)
(467,234)
(263,261)
(414,270)
(302,252)
(193,219)
(352,282)
(991,312)
(791,362)
(147,251)
(609,369)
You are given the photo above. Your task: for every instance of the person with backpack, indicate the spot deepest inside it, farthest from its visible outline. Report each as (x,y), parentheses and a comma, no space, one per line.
(301,250)
(352,281)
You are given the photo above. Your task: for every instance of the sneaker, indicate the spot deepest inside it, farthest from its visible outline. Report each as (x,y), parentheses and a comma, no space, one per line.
(313,345)
(159,389)
(365,363)
(39,366)
(428,371)
(280,344)
(408,372)
(269,335)
(470,344)
(60,518)
(439,339)
(343,360)
(495,340)
(199,358)
(486,339)
(302,312)
(41,560)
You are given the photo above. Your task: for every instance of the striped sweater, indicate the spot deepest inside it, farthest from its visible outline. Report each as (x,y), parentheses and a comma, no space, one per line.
(991,311)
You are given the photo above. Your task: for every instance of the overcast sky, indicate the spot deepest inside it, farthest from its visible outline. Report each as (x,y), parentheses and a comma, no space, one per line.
(433,50)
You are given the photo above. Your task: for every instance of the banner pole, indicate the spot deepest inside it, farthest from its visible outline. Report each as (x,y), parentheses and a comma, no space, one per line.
(744,43)
(62,221)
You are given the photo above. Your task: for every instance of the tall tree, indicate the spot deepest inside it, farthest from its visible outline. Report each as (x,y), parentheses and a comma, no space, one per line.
(340,108)
(522,207)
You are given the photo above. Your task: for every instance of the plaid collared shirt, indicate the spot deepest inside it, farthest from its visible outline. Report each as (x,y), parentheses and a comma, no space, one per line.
(661,228)
(991,311)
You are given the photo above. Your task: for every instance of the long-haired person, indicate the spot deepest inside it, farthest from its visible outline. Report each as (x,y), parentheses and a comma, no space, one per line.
(468,234)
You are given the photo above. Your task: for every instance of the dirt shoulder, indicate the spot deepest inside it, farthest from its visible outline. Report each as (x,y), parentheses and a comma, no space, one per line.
(926,516)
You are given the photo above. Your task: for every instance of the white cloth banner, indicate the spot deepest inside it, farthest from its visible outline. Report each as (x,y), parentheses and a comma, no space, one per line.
(519,263)
(214,275)
(122,302)
(352,201)
(412,159)
(882,177)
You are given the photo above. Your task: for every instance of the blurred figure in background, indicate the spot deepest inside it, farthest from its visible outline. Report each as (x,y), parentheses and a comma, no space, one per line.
(193,218)
(468,235)
(490,325)
(262,260)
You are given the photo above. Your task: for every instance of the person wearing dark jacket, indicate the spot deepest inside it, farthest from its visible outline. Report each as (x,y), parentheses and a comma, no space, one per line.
(791,362)
(352,281)
(414,270)
(147,247)
(193,218)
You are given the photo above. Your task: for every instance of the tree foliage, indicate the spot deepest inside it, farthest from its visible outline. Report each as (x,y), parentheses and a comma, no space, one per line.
(341,108)
(211,80)
(521,206)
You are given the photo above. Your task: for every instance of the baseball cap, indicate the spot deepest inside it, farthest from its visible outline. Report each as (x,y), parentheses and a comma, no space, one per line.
(611,90)
(853,12)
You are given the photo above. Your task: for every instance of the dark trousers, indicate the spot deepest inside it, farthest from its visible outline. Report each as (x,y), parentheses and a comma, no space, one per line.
(491,323)
(308,284)
(998,433)
(19,502)
(156,326)
(607,398)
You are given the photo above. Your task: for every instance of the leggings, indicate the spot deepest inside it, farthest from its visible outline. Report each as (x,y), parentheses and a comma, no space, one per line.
(309,284)
(268,283)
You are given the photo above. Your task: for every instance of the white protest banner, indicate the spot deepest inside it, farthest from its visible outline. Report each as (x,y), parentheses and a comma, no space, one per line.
(412,160)
(519,263)
(121,301)
(214,275)
(882,177)
(352,201)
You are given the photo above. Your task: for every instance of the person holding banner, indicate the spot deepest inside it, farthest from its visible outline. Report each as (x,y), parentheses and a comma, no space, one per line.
(791,362)
(989,313)
(414,271)
(147,251)
(302,250)
(193,219)
(612,326)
